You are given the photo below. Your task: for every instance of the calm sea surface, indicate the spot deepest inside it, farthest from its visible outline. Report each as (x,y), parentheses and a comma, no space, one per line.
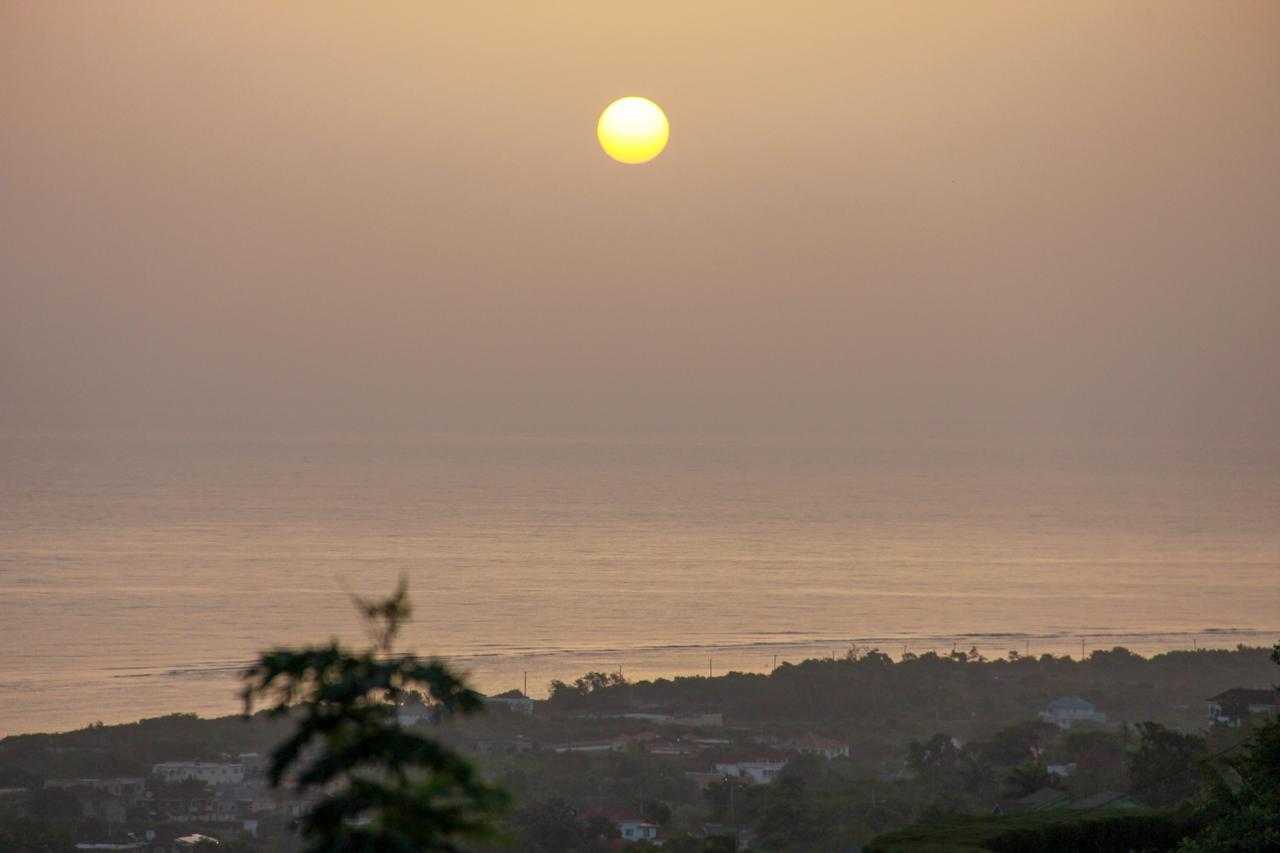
(138,574)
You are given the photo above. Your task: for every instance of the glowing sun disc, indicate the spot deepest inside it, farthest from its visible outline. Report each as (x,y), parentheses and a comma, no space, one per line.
(633,130)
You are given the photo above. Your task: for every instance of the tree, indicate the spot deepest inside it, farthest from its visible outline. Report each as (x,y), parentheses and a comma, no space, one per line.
(32,835)
(1243,807)
(656,811)
(550,827)
(573,695)
(1026,779)
(725,799)
(1011,746)
(1163,770)
(977,776)
(385,787)
(937,753)
(785,820)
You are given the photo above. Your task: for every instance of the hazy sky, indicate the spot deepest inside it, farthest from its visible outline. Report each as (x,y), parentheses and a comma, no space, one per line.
(1017,217)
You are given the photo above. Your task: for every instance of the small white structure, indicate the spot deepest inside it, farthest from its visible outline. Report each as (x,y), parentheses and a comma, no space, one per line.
(1066,711)
(636,829)
(209,772)
(761,770)
(812,744)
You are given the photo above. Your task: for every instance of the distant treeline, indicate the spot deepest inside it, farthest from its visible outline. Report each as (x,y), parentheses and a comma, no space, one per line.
(873,689)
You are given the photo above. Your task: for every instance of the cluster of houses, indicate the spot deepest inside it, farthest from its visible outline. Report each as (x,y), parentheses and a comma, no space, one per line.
(1230,707)
(233,792)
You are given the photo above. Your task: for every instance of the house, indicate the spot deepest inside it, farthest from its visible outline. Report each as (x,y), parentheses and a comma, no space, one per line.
(812,744)
(762,769)
(209,772)
(1062,770)
(1233,706)
(636,829)
(98,804)
(513,701)
(254,763)
(1045,799)
(630,826)
(131,789)
(1066,711)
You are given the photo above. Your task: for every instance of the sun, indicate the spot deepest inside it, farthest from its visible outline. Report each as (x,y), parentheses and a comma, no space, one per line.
(633,130)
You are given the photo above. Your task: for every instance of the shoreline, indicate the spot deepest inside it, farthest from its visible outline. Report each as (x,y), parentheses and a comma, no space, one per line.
(211,690)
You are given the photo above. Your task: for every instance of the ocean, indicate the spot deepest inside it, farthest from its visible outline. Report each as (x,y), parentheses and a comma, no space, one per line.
(139,574)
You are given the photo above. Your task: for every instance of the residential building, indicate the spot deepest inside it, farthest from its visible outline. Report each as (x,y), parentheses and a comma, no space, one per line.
(636,829)
(131,789)
(209,772)
(1233,706)
(760,768)
(813,744)
(1067,711)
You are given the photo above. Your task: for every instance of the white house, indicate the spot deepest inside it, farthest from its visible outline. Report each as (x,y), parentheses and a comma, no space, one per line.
(762,770)
(812,744)
(1066,711)
(209,772)
(636,829)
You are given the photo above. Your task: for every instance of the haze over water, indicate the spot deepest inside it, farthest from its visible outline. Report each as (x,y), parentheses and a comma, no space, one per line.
(269,275)
(137,574)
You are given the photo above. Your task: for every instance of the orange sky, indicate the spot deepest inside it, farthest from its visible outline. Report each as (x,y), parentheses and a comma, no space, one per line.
(1014,218)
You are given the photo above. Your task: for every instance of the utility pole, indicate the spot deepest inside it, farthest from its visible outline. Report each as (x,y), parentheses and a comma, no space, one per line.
(526,682)
(1082,648)
(775,661)
(708,667)
(732,821)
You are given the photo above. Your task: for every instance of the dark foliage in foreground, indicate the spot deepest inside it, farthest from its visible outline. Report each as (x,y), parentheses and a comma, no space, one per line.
(386,788)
